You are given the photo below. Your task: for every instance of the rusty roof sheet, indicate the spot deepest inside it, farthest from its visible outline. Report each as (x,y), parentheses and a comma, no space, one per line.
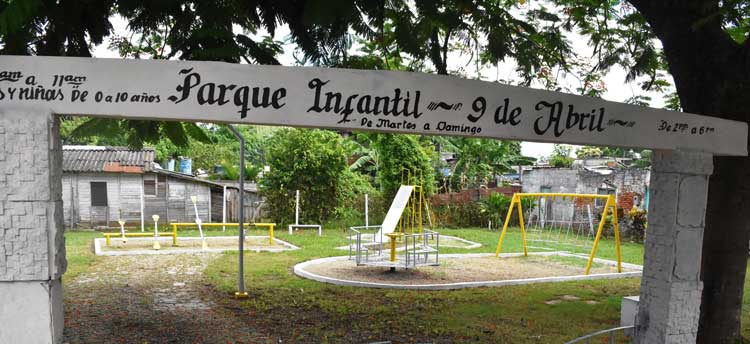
(107,159)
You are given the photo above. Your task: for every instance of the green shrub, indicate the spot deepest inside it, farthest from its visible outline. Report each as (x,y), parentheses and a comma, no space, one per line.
(312,161)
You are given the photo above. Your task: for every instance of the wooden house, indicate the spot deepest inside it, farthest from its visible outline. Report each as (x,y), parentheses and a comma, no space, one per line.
(102,185)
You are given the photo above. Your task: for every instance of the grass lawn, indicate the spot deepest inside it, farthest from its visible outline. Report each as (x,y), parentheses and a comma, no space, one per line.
(300,310)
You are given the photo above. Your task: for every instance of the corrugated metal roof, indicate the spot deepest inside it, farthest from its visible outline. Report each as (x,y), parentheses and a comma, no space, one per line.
(109,159)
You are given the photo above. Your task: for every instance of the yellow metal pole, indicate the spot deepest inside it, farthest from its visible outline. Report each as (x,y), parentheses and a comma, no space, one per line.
(523,228)
(174,235)
(617,234)
(393,248)
(505,226)
(108,240)
(270,235)
(598,234)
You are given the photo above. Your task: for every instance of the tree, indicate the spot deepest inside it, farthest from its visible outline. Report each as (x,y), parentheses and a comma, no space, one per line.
(478,161)
(403,160)
(588,152)
(560,156)
(705,47)
(310,160)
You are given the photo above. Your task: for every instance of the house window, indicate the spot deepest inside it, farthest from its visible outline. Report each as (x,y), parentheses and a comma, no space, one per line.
(149,186)
(545,189)
(600,202)
(99,194)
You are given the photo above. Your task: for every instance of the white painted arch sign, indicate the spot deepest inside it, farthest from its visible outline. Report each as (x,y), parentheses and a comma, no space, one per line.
(350,99)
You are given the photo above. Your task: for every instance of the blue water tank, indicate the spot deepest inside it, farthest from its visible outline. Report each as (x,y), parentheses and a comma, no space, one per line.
(186,166)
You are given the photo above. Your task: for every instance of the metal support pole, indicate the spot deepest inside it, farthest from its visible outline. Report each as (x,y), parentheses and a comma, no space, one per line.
(241,293)
(296,209)
(224,208)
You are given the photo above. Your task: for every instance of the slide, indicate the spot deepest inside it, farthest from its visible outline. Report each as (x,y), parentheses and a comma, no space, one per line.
(394,213)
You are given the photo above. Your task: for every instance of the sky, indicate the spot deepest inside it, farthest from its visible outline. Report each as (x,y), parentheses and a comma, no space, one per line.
(617,89)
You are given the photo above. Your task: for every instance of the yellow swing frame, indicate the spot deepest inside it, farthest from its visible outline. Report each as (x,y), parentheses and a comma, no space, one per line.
(610,206)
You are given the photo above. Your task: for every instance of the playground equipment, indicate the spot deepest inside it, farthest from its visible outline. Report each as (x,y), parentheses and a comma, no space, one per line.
(269,225)
(156,232)
(296,219)
(122,230)
(571,230)
(403,224)
(123,235)
(176,225)
(199,222)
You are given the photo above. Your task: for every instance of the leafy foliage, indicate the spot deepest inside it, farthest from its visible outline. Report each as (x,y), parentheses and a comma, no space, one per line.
(561,156)
(403,160)
(478,161)
(312,161)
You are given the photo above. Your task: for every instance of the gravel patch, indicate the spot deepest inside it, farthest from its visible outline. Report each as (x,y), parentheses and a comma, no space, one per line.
(150,299)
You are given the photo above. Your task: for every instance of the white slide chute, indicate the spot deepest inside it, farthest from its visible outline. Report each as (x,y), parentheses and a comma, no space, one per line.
(396,210)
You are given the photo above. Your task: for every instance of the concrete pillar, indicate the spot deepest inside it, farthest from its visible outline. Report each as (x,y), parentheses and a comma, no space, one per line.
(32,250)
(671,287)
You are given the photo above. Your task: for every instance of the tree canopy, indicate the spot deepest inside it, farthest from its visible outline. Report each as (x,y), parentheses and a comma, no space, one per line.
(703,45)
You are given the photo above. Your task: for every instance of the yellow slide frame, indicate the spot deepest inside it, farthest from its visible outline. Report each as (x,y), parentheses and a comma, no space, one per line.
(610,206)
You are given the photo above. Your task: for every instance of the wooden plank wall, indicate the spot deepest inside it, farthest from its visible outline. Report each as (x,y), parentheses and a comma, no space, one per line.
(172,202)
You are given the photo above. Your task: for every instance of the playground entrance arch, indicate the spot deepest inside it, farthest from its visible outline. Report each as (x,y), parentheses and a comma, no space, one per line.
(33,90)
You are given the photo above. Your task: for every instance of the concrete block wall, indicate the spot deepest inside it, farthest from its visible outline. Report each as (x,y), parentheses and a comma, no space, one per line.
(32,250)
(671,286)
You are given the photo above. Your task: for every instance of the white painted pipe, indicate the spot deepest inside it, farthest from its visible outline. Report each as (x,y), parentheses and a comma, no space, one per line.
(143,217)
(296,209)
(224,209)
(367,217)
(197,218)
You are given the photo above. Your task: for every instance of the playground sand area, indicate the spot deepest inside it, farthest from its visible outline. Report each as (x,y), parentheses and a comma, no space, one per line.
(188,245)
(462,269)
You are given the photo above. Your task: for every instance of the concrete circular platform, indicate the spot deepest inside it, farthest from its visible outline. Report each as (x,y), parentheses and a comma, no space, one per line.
(458,271)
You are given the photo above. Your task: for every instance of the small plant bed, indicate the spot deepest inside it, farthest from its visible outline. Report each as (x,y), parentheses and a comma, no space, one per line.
(216,244)
(465,270)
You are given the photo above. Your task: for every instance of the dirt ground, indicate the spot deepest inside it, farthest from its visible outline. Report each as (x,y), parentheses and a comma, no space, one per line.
(453,270)
(150,299)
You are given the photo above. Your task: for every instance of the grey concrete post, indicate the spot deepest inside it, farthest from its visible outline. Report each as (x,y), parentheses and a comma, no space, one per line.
(671,287)
(32,250)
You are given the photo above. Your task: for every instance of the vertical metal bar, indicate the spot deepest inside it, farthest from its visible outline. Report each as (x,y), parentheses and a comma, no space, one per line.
(224,209)
(241,274)
(615,222)
(505,226)
(296,209)
(598,234)
(523,229)
(437,247)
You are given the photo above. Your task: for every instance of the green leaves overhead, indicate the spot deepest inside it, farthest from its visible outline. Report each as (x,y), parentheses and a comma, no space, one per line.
(135,132)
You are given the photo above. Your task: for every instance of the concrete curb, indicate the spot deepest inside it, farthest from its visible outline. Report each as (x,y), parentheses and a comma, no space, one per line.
(299,270)
(99,242)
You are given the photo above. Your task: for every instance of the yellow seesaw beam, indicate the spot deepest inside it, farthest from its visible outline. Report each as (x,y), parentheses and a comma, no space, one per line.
(269,225)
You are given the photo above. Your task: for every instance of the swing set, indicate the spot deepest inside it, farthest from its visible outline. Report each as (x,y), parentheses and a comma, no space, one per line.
(562,232)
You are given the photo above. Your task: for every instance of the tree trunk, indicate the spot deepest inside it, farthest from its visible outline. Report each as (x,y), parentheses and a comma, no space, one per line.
(711,72)
(725,251)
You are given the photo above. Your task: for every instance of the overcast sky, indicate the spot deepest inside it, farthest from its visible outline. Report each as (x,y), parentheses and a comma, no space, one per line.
(617,89)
